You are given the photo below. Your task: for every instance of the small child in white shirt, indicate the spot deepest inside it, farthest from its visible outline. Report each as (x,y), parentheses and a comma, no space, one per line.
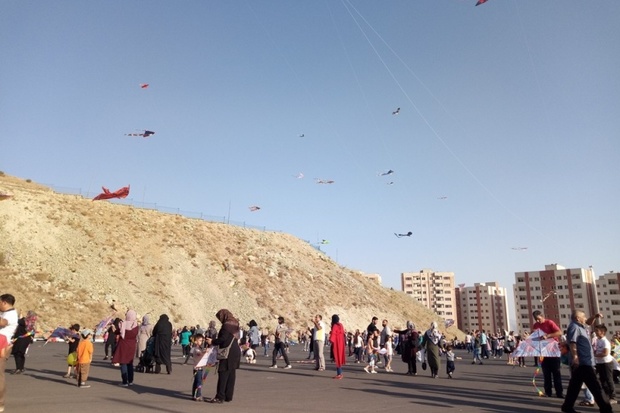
(450,357)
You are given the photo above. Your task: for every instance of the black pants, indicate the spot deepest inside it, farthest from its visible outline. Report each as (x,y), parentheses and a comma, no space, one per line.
(279,347)
(167,363)
(226,384)
(412,366)
(551,370)
(606,374)
(587,375)
(20,360)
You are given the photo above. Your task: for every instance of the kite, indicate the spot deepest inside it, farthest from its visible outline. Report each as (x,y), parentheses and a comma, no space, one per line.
(299,176)
(144,85)
(396,112)
(390,172)
(461,285)
(103,324)
(106,194)
(449,322)
(390,183)
(144,134)
(481,2)
(519,248)
(324,181)
(254,208)
(324,241)
(302,135)
(442,197)
(535,346)
(61,333)
(4,196)
(404,235)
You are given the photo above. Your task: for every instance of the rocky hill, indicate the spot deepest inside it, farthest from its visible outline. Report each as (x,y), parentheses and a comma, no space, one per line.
(70,259)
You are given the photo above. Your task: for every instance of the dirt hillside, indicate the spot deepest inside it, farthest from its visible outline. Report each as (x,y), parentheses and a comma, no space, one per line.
(70,259)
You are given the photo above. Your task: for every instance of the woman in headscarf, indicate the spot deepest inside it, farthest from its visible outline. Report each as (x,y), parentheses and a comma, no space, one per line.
(126,346)
(145,332)
(227,337)
(409,339)
(212,330)
(337,338)
(163,343)
(20,345)
(431,342)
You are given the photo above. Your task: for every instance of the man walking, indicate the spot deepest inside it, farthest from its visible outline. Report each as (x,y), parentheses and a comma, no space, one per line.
(281,332)
(582,364)
(318,342)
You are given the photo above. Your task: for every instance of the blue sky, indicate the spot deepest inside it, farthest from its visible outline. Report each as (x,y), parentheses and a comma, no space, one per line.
(510,110)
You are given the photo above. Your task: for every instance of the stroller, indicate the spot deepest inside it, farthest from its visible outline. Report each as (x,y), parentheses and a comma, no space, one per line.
(147,357)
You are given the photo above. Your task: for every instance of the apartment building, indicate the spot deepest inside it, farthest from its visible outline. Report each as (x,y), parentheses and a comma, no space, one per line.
(482,307)
(432,289)
(555,291)
(608,289)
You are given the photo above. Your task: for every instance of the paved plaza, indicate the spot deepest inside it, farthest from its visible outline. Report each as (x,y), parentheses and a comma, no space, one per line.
(492,387)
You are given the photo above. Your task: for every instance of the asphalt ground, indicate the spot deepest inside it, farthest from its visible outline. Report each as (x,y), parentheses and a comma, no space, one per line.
(492,387)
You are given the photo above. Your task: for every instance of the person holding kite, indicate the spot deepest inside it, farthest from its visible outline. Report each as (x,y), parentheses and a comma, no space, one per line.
(550,365)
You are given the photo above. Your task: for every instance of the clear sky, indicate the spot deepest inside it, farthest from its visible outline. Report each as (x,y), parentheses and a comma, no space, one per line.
(509,110)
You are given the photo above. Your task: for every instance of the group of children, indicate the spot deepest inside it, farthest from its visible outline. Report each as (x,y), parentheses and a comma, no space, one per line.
(80,354)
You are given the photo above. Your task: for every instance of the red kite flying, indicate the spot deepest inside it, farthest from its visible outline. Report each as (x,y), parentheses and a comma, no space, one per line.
(106,194)
(481,2)
(144,85)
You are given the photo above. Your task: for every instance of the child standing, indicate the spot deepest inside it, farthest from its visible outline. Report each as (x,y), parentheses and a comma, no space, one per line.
(84,358)
(389,347)
(73,340)
(604,362)
(449,360)
(197,352)
(372,348)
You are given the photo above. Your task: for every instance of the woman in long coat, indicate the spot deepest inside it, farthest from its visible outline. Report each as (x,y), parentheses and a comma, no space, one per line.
(163,343)
(337,338)
(431,342)
(126,346)
(409,339)
(226,369)
(145,332)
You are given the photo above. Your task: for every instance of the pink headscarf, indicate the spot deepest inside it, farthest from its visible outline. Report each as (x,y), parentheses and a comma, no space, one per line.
(130,322)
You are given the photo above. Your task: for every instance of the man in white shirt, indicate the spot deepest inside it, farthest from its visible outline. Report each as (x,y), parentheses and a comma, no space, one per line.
(383,338)
(319,342)
(8,325)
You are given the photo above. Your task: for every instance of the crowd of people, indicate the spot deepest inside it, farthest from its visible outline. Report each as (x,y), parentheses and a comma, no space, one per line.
(588,353)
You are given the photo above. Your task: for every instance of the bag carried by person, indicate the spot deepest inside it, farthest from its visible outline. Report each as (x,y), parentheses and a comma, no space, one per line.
(222,352)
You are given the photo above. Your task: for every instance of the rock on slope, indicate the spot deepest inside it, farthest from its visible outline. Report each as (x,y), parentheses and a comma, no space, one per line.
(70,259)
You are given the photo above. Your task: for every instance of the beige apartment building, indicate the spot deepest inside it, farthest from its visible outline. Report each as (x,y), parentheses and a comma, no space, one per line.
(608,289)
(555,291)
(434,290)
(482,307)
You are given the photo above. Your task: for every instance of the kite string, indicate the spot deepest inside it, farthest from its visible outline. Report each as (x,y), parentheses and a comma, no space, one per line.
(431,128)
(359,85)
(306,89)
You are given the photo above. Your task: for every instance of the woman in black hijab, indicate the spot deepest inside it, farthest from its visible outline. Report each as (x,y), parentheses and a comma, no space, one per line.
(163,343)
(227,368)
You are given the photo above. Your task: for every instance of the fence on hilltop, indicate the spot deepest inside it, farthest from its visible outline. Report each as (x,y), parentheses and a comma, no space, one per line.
(154,206)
